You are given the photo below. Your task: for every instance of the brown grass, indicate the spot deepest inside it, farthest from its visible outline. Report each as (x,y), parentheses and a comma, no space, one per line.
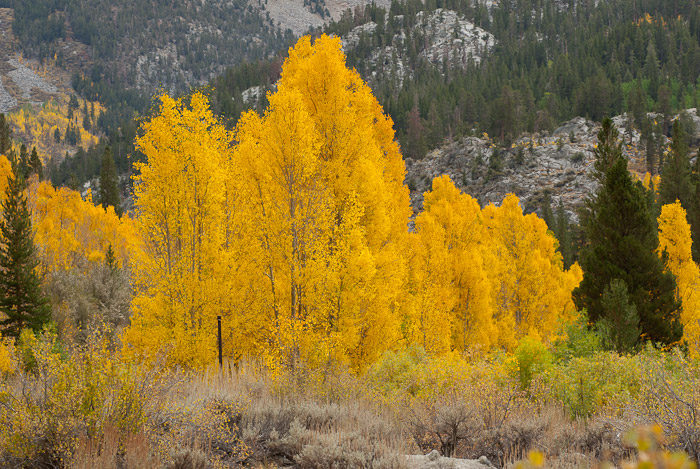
(243,417)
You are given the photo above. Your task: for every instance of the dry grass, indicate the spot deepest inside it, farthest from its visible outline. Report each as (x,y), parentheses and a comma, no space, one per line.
(243,417)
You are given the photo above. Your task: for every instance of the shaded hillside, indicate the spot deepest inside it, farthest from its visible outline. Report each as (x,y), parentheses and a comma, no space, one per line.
(149,44)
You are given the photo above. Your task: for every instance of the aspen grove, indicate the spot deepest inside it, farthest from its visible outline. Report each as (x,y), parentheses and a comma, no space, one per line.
(294,228)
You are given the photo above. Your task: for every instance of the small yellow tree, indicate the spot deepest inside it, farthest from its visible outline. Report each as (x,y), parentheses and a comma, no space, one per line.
(675,241)
(450,255)
(533,292)
(487,277)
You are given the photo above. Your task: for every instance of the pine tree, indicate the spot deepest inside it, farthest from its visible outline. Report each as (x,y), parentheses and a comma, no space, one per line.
(622,239)
(547,213)
(676,182)
(35,165)
(5,135)
(109,185)
(73,104)
(21,300)
(562,232)
(620,327)
(23,165)
(652,70)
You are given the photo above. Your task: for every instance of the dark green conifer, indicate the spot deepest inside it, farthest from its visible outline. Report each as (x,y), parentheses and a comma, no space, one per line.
(109,184)
(562,231)
(23,164)
(621,242)
(676,182)
(35,165)
(547,213)
(21,300)
(5,136)
(619,329)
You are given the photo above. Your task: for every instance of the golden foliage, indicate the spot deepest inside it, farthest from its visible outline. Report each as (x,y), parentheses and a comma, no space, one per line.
(485,277)
(69,228)
(297,236)
(7,360)
(675,241)
(181,275)
(35,125)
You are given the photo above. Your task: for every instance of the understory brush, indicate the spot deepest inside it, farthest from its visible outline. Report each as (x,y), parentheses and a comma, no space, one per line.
(87,406)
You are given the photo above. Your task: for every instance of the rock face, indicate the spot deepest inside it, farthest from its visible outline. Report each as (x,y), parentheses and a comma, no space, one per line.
(453,38)
(299,16)
(559,163)
(447,37)
(533,165)
(27,80)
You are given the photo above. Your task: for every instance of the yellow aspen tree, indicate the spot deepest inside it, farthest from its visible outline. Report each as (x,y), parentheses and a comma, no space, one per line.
(533,292)
(451,228)
(69,228)
(325,180)
(364,162)
(5,172)
(280,154)
(430,319)
(675,241)
(181,208)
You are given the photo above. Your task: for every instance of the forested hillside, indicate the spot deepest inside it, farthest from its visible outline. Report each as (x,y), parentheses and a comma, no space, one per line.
(552,61)
(152,44)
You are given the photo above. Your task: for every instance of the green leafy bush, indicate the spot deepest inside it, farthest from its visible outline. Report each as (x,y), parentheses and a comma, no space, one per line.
(603,381)
(532,357)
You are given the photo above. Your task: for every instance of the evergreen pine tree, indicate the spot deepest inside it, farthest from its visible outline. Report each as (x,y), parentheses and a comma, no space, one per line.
(622,239)
(23,165)
(73,104)
(694,211)
(652,70)
(676,182)
(620,326)
(5,136)
(547,213)
(35,165)
(21,300)
(109,185)
(111,259)
(563,234)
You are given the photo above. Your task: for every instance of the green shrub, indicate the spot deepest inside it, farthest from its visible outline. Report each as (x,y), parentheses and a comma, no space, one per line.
(579,340)
(603,381)
(531,358)
(58,398)
(398,371)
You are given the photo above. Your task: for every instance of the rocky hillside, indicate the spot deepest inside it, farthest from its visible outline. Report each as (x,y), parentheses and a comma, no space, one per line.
(37,99)
(558,163)
(447,41)
(301,15)
(149,44)
(22,81)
